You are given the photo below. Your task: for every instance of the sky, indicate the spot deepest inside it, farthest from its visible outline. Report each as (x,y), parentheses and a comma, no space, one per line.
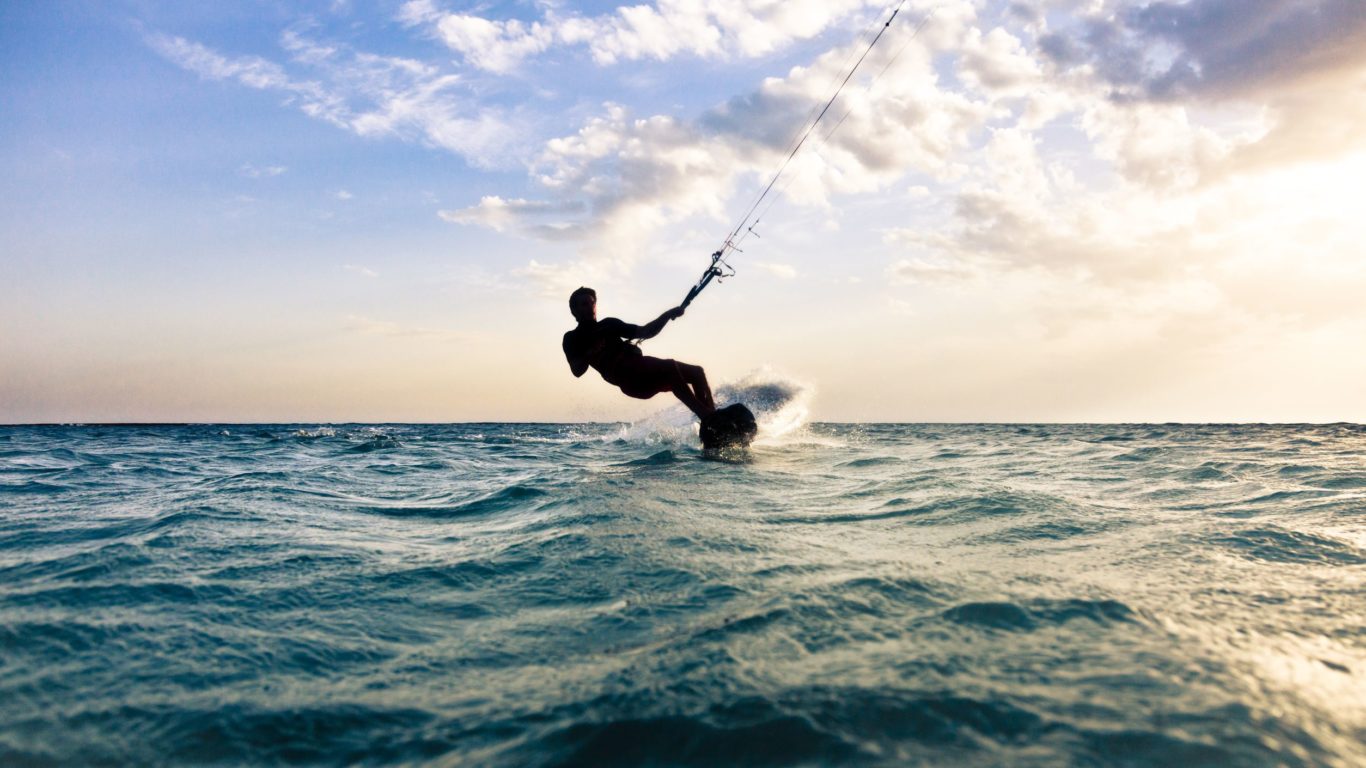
(1032,211)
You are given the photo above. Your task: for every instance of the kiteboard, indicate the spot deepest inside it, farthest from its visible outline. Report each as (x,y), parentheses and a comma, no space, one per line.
(728,428)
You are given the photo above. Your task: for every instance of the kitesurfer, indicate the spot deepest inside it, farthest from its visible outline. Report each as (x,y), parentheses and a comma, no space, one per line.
(602,344)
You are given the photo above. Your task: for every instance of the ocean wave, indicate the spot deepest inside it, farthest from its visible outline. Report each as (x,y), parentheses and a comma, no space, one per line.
(1035,613)
(680,740)
(36,487)
(374,443)
(465,576)
(1284,546)
(119,595)
(236,732)
(958,509)
(108,560)
(870,461)
(1206,472)
(511,497)
(568,594)
(653,460)
(1148,453)
(314,434)
(1343,482)
(1049,531)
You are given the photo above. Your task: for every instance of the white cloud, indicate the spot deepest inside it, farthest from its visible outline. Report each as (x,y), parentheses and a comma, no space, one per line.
(497,46)
(360,270)
(661,31)
(342,194)
(416,12)
(1124,212)
(561,279)
(620,178)
(1194,267)
(783,271)
(369,95)
(1155,144)
(615,181)
(1301,63)
(525,216)
(919,271)
(251,71)
(998,62)
(388,329)
(1216,48)
(261,172)
(1033,158)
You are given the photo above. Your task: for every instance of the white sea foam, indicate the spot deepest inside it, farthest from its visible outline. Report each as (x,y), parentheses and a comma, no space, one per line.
(674,425)
(316,433)
(781,406)
(781,403)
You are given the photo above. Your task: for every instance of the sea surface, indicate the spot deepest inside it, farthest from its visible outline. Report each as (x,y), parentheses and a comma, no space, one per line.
(604,594)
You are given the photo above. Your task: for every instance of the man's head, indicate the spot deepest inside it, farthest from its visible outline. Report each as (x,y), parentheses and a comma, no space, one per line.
(583,304)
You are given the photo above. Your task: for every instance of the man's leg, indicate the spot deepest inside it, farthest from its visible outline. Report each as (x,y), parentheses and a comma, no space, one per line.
(685,394)
(695,377)
(653,375)
(684,380)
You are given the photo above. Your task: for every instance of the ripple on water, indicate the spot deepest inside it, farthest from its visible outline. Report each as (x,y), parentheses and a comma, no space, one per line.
(870,461)
(376,443)
(115,559)
(465,576)
(1209,471)
(1012,616)
(126,595)
(806,725)
(36,488)
(249,733)
(660,458)
(1142,454)
(1344,482)
(1279,545)
(507,498)
(774,738)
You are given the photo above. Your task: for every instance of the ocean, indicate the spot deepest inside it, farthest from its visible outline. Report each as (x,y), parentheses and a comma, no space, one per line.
(604,594)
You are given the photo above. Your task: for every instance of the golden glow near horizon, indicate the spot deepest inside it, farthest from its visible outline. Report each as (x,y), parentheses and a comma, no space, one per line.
(212,218)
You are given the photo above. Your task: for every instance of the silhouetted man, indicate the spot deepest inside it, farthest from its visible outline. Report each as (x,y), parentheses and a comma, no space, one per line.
(602,344)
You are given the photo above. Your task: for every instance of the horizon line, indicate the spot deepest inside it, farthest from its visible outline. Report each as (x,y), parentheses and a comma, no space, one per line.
(133,424)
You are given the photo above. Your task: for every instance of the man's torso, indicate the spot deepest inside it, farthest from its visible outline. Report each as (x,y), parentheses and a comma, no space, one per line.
(603,346)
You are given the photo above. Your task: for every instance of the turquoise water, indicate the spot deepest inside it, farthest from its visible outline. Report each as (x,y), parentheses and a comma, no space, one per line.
(520,594)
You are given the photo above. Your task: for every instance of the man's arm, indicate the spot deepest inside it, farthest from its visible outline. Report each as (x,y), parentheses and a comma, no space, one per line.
(652,328)
(578,363)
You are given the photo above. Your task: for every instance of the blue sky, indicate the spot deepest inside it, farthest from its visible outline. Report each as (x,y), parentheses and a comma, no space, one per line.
(1042,210)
